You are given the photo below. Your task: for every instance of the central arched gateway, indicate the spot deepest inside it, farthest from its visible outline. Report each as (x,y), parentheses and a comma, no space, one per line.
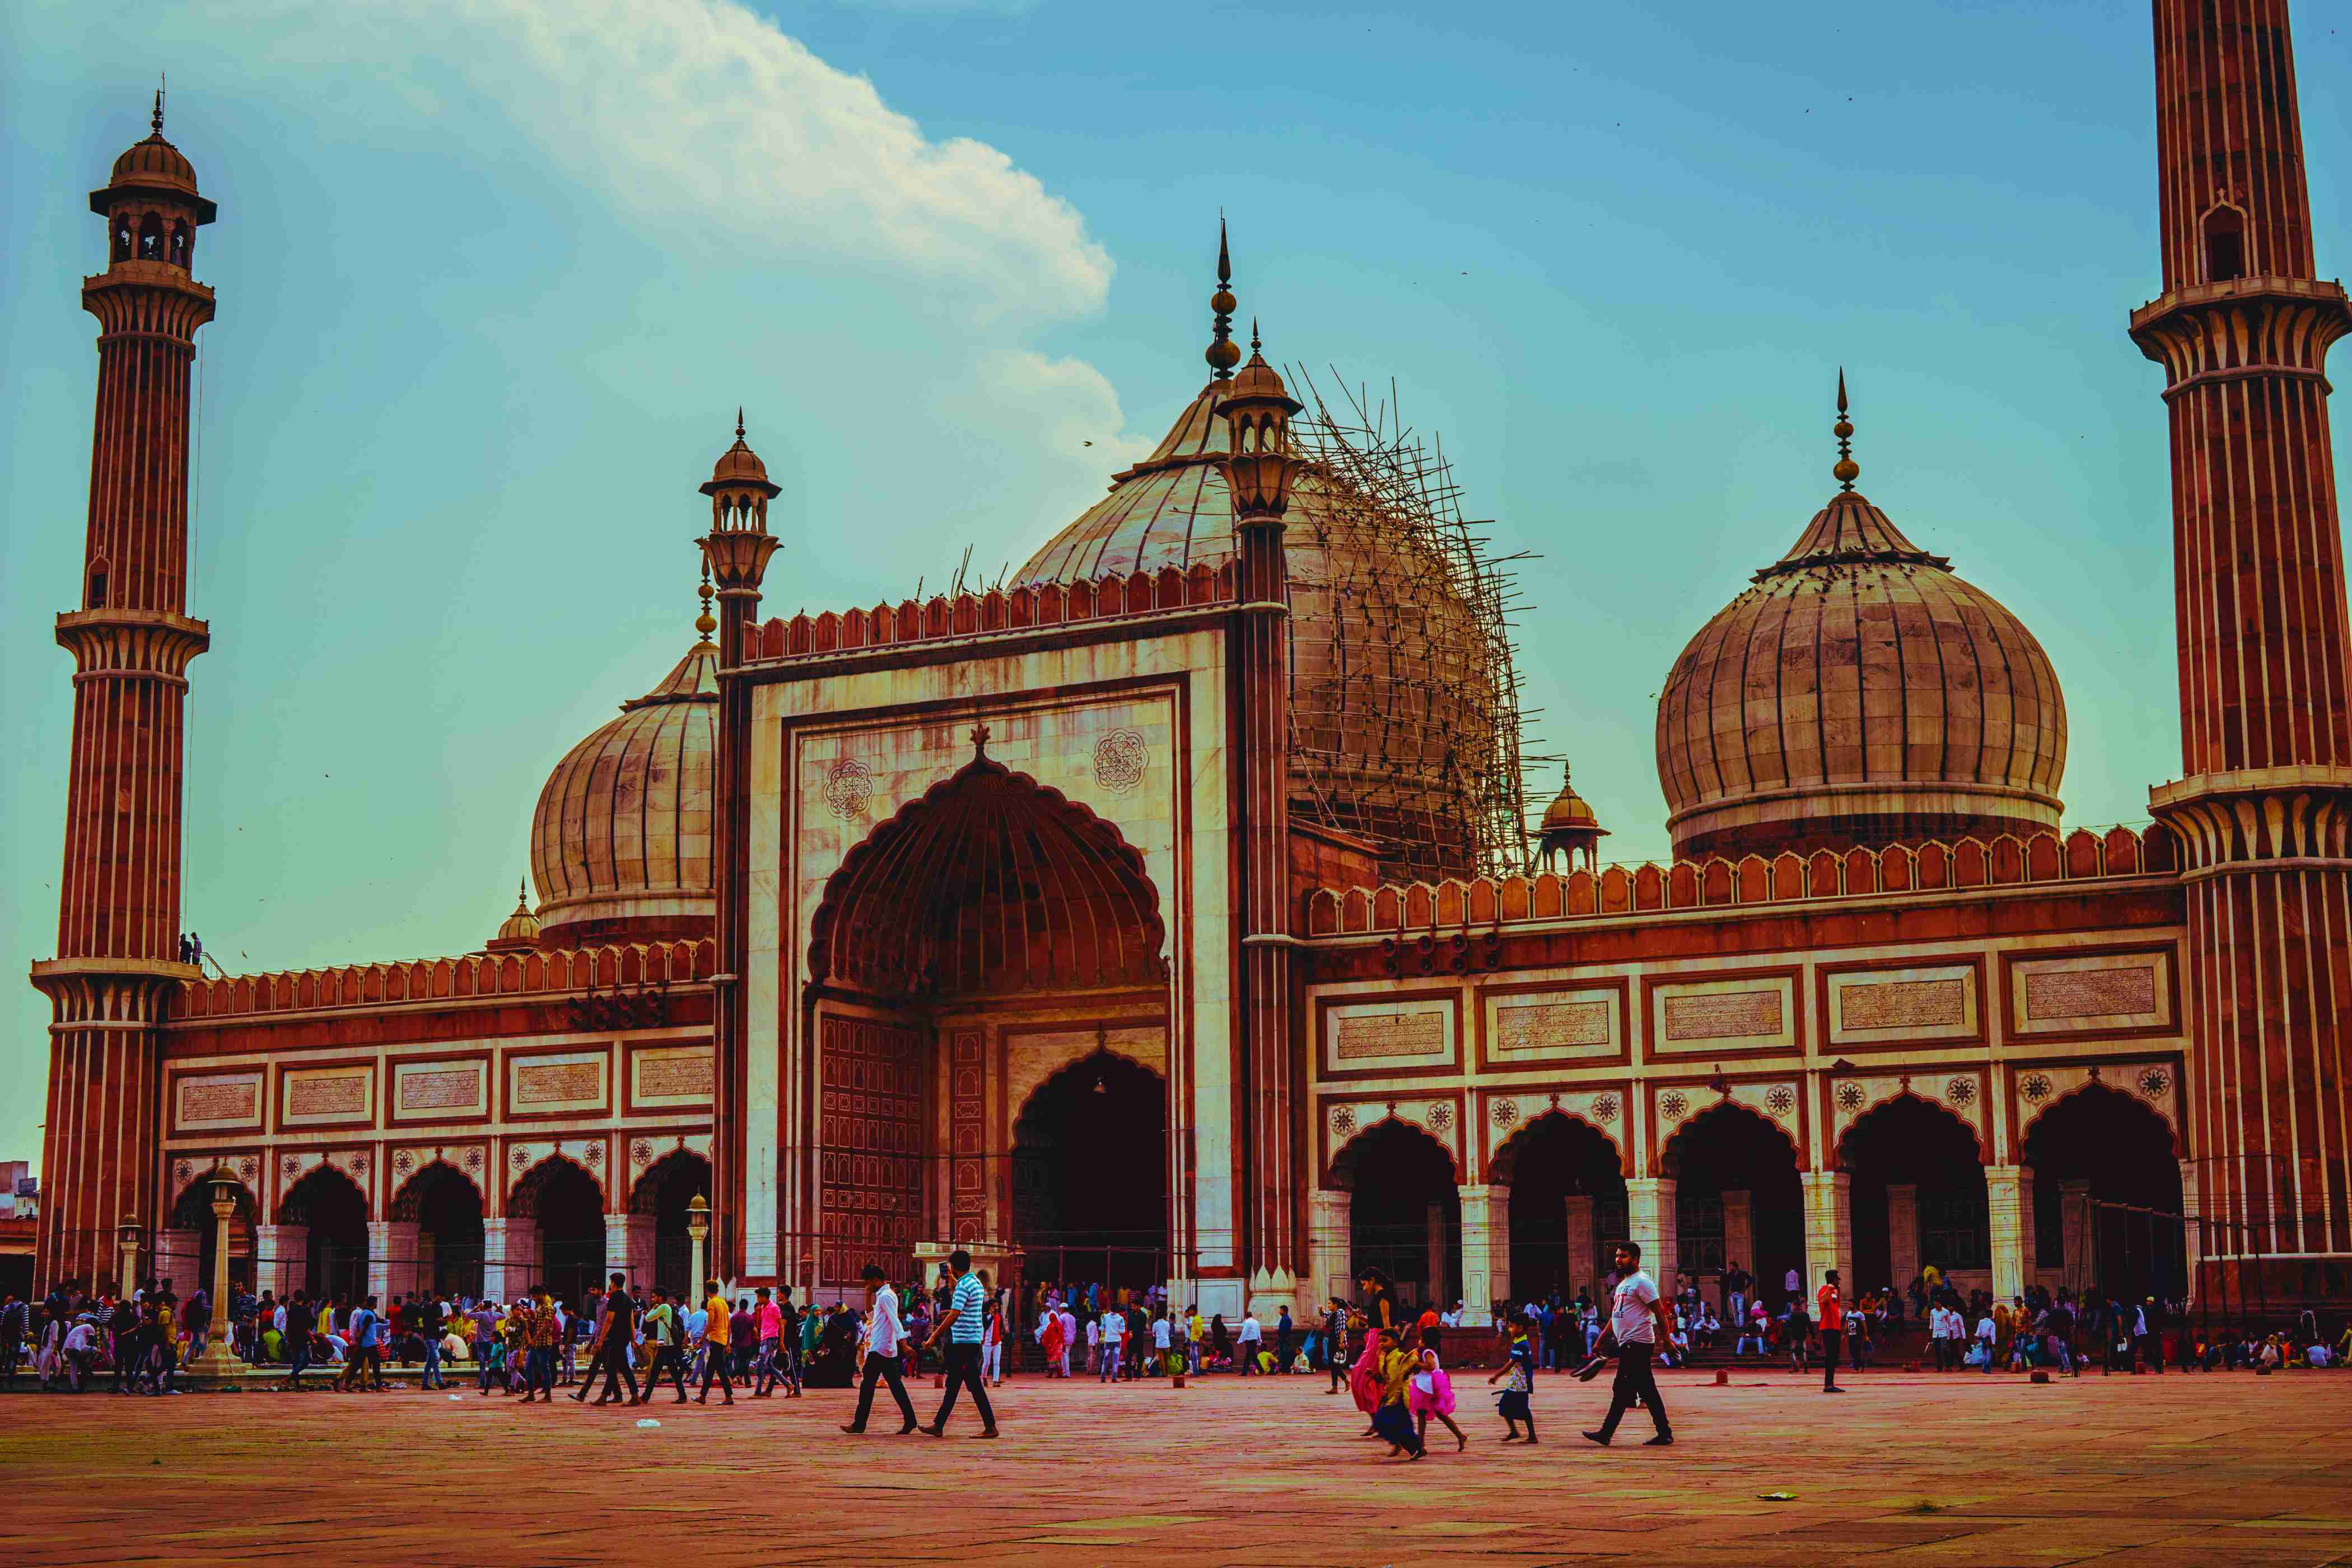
(989,1002)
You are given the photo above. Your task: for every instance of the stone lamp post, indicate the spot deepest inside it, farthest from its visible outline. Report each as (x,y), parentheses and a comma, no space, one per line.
(219,1364)
(126,1251)
(698,1230)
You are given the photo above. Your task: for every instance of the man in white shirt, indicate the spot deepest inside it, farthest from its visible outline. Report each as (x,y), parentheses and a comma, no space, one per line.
(1638,1319)
(1163,1337)
(1069,1336)
(1246,1342)
(881,1340)
(1451,1318)
(1114,1336)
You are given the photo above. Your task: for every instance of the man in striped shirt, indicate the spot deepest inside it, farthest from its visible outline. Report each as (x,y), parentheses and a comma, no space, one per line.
(964,1323)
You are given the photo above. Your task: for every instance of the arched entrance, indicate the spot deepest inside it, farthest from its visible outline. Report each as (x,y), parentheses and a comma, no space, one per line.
(2104,1173)
(1405,1218)
(1567,1202)
(1089,1174)
(664,1192)
(193,1212)
(1738,1199)
(990,893)
(446,1210)
(569,1209)
(333,1213)
(1918,1195)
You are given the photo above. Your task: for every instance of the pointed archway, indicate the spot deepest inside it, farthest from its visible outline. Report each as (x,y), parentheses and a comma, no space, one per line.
(333,1213)
(445,1206)
(1089,1174)
(1738,1199)
(568,1208)
(990,892)
(2106,1172)
(1405,1216)
(1567,1202)
(1918,1195)
(663,1195)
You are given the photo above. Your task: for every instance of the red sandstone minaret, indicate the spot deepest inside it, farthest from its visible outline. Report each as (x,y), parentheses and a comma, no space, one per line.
(2264,808)
(119,901)
(1257,411)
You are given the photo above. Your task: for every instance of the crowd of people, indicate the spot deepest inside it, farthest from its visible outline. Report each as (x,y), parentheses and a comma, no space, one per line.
(640,1339)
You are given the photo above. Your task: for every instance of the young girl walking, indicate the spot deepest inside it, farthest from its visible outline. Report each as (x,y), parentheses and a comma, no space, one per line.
(1519,1374)
(1392,1420)
(1430,1393)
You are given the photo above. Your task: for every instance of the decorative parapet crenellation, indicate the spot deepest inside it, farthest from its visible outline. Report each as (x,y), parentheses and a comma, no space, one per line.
(548,975)
(1014,610)
(1489,903)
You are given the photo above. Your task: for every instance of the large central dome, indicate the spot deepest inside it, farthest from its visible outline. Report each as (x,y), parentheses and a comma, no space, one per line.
(1399,687)
(1858,694)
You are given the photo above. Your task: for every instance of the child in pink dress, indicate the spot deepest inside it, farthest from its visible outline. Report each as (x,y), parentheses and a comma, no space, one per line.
(1430,1393)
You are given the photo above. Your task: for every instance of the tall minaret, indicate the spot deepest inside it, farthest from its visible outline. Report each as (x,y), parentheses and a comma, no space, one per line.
(119,901)
(1259,471)
(2263,811)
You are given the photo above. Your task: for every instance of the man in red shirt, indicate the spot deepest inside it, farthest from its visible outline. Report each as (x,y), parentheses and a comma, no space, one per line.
(1832,1317)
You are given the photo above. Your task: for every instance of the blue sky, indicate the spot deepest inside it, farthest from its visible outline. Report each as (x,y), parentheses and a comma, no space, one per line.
(494,275)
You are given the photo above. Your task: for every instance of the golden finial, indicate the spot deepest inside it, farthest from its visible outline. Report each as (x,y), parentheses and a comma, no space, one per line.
(703,624)
(522,894)
(1223,355)
(1847,470)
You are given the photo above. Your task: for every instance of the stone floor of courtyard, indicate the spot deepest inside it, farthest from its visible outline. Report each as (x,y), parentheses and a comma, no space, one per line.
(1962,1468)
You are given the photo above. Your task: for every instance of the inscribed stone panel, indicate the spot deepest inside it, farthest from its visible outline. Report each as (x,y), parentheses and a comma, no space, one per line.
(1554,1026)
(1370,1035)
(1930,1002)
(574,1081)
(327,1094)
(1698,1016)
(683,1076)
(426,1091)
(2094,994)
(225,1099)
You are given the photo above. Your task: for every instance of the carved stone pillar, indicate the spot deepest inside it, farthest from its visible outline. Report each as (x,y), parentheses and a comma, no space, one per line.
(1581,1267)
(629,1248)
(509,1257)
(1486,1252)
(1902,1237)
(2009,1204)
(392,1259)
(1739,1238)
(1650,1225)
(1438,1255)
(1330,1246)
(1829,1229)
(281,1258)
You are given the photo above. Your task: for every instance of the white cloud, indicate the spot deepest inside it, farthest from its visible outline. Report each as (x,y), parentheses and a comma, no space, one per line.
(707,123)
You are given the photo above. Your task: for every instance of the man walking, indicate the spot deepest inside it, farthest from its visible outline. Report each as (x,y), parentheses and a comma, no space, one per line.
(539,1347)
(614,1333)
(881,1338)
(1282,1333)
(1246,1342)
(964,1323)
(715,1340)
(1831,1312)
(1638,1318)
(299,1324)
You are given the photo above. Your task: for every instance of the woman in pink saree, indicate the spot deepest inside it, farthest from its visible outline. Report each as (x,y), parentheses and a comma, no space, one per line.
(1364,1377)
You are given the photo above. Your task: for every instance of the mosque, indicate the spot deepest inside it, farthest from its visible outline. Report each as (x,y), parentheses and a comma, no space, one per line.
(1164,913)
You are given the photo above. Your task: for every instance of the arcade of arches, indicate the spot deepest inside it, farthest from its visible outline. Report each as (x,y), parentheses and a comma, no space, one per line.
(990,1001)
(1910,1188)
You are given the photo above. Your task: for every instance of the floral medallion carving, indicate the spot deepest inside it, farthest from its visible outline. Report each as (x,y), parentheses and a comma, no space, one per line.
(2036,1088)
(1343,1120)
(1779,1099)
(2154,1081)
(1120,758)
(1850,1097)
(1673,1105)
(593,1154)
(642,1151)
(847,788)
(1504,1113)
(1961,1091)
(1604,1108)
(474,1160)
(1441,1117)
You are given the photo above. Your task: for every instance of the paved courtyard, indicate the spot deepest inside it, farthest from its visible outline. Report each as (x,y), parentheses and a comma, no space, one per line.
(1962,1469)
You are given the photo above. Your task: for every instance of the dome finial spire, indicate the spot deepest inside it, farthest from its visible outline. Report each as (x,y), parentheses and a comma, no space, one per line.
(1223,355)
(739,420)
(1846,469)
(155,123)
(703,622)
